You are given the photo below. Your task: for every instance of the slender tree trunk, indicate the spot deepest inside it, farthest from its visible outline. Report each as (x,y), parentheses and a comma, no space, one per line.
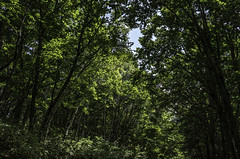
(17,112)
(104,122)
(72,120)
(79,124)
(212,129)
(53,103)
(32,107)
(19,42)
(26,115)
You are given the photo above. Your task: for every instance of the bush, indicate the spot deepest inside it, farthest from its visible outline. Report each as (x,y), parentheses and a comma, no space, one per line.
(17,143)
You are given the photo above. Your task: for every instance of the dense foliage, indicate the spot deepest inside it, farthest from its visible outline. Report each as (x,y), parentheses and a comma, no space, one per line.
(71,87)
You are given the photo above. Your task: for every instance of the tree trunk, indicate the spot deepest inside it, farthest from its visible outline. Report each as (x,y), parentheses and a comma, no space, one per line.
(71,122)
(212,129)
(32,106)
(53,104)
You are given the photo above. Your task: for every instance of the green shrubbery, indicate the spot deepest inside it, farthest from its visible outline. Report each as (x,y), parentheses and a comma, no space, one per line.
(17,143)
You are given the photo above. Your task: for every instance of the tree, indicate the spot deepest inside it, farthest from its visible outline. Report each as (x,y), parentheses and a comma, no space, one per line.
(191,47)
(69,80)
(49,45)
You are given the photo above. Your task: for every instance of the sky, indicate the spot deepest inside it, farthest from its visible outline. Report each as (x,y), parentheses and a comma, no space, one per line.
(134,34)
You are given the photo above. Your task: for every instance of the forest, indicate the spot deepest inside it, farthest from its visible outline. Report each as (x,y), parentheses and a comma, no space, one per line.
(72,87)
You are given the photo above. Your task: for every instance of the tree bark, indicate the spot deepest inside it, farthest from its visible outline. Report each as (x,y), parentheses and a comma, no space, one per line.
(32,106)
(72,120)
(53,103)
